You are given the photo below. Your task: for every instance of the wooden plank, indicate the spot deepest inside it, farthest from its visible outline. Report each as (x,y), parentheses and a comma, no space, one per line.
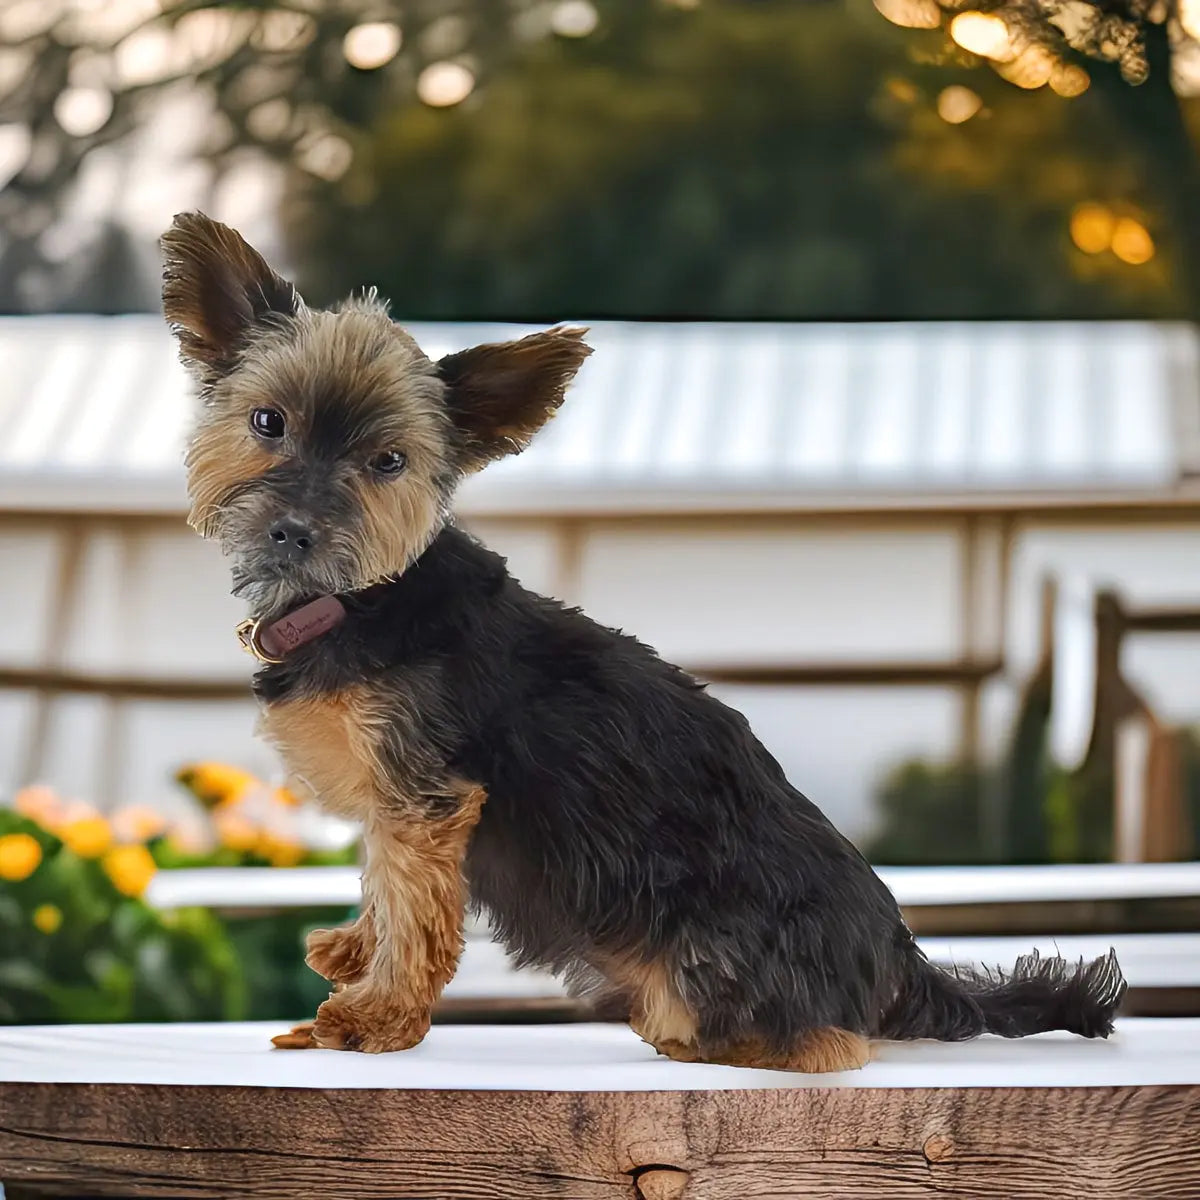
(125,687)
(1070,1143)
(897,674)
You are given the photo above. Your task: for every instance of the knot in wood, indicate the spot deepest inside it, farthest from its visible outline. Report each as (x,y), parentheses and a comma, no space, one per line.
(660,1183)
(938,1147)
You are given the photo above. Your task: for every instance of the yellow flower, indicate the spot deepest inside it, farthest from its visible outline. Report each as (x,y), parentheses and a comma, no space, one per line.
(279,852)
(214,784)
(130,868)
(47,917)
(235,831)
(137,823)
(286,798)
(20,855)
(39,803)
(88,837)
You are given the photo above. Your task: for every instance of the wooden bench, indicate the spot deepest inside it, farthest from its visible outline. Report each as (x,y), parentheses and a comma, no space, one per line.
(589,1111)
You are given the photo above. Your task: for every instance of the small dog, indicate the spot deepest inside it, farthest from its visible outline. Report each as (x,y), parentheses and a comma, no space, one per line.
(619,825)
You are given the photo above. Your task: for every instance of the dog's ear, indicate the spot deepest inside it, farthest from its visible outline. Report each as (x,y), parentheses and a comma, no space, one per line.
(216,289)
(500,395)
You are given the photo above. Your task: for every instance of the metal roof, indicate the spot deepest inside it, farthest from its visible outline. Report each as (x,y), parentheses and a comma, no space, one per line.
(678,417)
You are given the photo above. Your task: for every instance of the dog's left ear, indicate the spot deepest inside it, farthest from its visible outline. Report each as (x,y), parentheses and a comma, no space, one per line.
(216,290)
(500,395)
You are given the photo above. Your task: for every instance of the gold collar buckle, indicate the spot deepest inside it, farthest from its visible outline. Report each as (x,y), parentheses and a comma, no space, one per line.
(248,633)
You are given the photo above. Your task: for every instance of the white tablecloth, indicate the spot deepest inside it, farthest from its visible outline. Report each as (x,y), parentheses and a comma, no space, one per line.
(574,1058)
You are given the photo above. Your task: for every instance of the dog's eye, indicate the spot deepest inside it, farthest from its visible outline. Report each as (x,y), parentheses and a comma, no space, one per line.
(267,422)
(390,462)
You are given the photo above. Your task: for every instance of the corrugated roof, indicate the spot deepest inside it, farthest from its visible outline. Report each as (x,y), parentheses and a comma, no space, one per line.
(93,412)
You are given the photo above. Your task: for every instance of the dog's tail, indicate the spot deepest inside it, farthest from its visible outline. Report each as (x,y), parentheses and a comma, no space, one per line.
(1038,995)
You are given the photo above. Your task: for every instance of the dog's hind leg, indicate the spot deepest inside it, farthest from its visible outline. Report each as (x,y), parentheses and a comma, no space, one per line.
(816,1052)
(658,1013)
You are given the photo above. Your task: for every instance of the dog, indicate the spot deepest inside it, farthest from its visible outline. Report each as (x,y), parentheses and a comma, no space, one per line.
(619,825)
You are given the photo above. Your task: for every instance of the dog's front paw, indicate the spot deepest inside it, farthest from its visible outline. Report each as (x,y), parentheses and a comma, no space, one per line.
(299,1038)
(358,1021)
(341,955)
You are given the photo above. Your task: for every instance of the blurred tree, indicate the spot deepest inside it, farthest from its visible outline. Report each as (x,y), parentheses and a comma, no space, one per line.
(730,161)
(289,80)
(1138,56)
(540,158)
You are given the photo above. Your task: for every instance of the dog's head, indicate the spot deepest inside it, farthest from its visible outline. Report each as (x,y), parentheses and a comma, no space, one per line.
(327,445)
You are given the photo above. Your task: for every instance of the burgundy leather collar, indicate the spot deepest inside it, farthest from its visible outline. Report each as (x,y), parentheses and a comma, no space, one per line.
(273,642)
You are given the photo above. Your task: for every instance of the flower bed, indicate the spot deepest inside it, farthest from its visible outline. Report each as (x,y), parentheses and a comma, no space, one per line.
(78,944)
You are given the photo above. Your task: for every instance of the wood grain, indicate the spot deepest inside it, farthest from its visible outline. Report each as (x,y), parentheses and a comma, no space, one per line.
(821,1144)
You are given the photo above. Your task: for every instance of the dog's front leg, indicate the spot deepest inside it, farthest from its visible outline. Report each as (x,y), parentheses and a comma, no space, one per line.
(343,954)
(414,895)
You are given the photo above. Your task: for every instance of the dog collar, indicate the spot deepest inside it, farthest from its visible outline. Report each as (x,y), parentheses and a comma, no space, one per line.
(273,642)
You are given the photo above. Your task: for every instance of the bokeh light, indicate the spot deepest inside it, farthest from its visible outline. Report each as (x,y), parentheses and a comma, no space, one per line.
(1131,242)
(984,34)
(81,111)
(372,45)
(911,14)
(1031,69)
(1069,80)
(956,104)
(574,18)
(444,84)
(1092,228)
(326,156)
(1189,17)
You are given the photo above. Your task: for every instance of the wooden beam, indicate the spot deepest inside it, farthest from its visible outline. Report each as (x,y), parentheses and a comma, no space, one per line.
(1161,620)
(1022,1143)
(894,674)
(128,687)
(899,674)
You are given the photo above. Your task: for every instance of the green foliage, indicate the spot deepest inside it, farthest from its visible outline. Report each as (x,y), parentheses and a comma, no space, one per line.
(78,945)
(932,813)
(766,160)
(101,955)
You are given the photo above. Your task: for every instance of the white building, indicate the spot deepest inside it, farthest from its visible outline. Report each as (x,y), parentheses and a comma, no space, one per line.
(857,518)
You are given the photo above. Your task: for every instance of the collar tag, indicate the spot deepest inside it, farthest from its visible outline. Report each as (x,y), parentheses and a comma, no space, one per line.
(272,643)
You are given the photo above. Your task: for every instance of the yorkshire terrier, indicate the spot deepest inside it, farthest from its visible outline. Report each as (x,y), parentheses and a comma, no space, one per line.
(618,824)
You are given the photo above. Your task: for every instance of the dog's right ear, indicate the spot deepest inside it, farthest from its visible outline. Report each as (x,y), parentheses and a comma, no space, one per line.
(216,289)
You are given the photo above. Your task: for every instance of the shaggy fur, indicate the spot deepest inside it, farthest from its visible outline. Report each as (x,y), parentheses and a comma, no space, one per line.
(619,824)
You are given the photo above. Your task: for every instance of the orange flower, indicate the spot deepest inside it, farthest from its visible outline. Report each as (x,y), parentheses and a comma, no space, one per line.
(88,837)
(137,823)
(216,784)
(39,803)
(235,831)
(47,918)
(130,868)
(20,855)
(279,852)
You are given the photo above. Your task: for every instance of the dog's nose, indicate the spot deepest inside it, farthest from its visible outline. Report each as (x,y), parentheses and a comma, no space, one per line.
(292,539)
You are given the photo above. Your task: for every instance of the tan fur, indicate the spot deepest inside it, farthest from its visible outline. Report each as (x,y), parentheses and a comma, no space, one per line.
(657,1012)
(818,1052)
(343,955)
(413,885)
(330,744)
(361,355)
(659,1015)
(222,455)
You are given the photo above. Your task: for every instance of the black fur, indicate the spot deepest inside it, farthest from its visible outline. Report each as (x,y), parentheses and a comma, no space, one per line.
(631,813)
